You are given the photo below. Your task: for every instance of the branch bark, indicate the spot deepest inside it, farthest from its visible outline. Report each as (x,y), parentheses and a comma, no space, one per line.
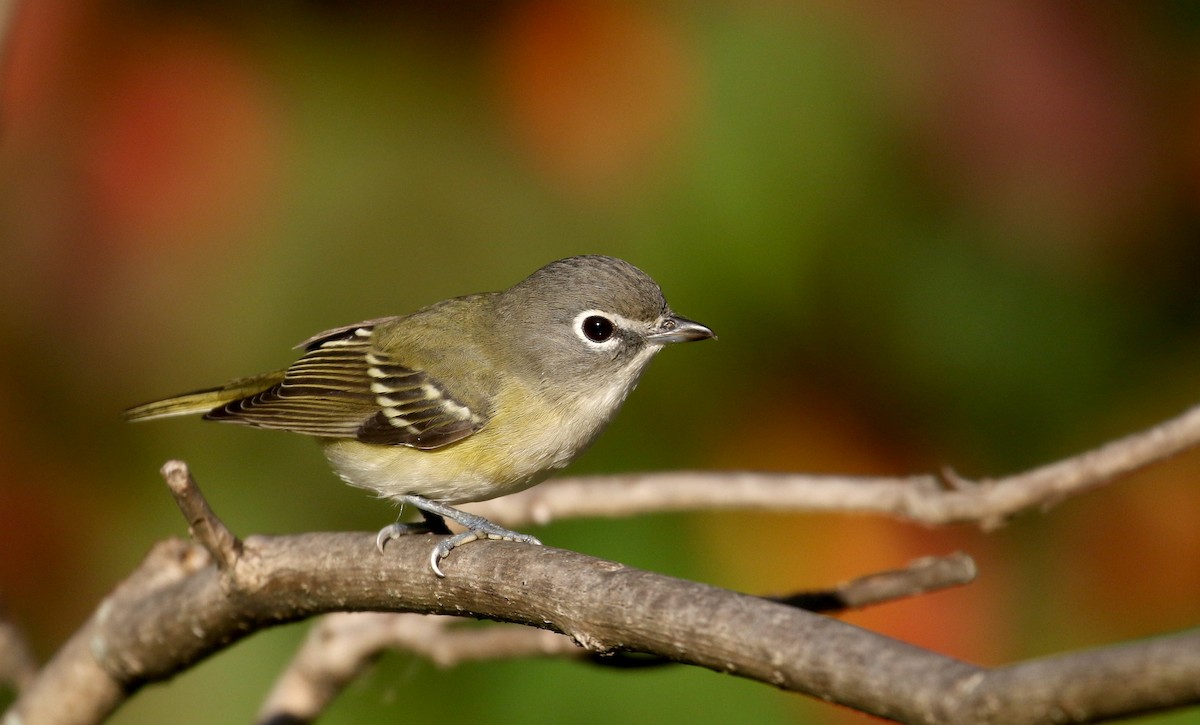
(342,646)
(175,610)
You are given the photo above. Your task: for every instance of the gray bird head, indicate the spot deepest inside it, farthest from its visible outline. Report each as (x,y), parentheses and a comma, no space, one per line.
(592,318)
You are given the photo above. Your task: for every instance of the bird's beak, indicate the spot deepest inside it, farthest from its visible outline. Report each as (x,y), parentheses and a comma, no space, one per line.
(679,329)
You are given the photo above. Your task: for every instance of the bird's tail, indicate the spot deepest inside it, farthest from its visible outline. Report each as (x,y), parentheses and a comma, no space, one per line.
(203,401)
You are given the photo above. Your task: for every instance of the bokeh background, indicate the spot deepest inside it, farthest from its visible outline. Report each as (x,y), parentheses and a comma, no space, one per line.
(928,234)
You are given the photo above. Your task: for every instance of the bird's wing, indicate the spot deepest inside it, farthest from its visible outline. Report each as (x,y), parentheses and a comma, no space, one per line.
(344,386)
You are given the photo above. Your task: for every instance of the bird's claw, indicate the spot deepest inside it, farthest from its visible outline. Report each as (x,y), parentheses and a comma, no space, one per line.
(482,529)
(491,531)
(394,531)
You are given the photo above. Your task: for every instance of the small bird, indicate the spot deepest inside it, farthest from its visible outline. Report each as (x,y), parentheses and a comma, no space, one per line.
(467,399)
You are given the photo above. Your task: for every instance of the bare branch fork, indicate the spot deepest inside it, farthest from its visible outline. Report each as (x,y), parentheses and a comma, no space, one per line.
(186,601)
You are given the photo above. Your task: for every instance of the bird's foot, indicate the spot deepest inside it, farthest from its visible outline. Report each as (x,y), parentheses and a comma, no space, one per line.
(396,530)
(477,528)
(487,531)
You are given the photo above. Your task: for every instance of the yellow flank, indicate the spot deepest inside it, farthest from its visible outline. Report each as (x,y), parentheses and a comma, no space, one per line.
(524,442)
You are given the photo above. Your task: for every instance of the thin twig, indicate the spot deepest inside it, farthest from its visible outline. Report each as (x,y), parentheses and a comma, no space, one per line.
(928,499)
(927,574)
(342,645)
(203,524)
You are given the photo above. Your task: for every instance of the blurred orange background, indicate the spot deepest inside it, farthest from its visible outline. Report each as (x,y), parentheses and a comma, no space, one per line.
(955,234)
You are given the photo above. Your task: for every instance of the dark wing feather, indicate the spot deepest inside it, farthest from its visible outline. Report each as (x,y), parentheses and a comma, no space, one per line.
(344,387)
(321,338)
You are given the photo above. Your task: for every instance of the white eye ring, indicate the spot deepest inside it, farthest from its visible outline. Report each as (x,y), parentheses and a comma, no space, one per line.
(597,329)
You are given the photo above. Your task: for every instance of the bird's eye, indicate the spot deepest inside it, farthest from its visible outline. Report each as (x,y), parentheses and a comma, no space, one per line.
(597,328)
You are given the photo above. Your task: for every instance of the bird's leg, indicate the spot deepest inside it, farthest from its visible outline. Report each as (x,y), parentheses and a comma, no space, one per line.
(435,513)
(433,523)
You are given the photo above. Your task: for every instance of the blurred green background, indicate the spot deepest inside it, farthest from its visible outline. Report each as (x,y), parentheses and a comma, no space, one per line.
(953,234)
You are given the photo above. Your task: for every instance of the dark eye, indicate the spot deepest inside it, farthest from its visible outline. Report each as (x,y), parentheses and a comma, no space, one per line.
(597,328)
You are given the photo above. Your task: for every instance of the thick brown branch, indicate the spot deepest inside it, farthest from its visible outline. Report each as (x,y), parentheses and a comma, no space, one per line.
(342,646)
(1090,686)
(90,675)
(926,499)
(175,610)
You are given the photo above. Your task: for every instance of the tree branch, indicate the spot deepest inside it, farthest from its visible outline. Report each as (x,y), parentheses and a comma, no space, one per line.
(184,602)
(174,610)
(927,499)
(203,524)
(926,574)
(341,646)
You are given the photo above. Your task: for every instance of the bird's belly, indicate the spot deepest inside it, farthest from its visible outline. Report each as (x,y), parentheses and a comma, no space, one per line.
(512,452)
(459,473)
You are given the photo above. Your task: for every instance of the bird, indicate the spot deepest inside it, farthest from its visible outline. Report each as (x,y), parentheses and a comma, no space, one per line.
(466,399)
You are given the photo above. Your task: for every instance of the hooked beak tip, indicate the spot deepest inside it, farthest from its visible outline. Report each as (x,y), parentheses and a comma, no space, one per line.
(681,329)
